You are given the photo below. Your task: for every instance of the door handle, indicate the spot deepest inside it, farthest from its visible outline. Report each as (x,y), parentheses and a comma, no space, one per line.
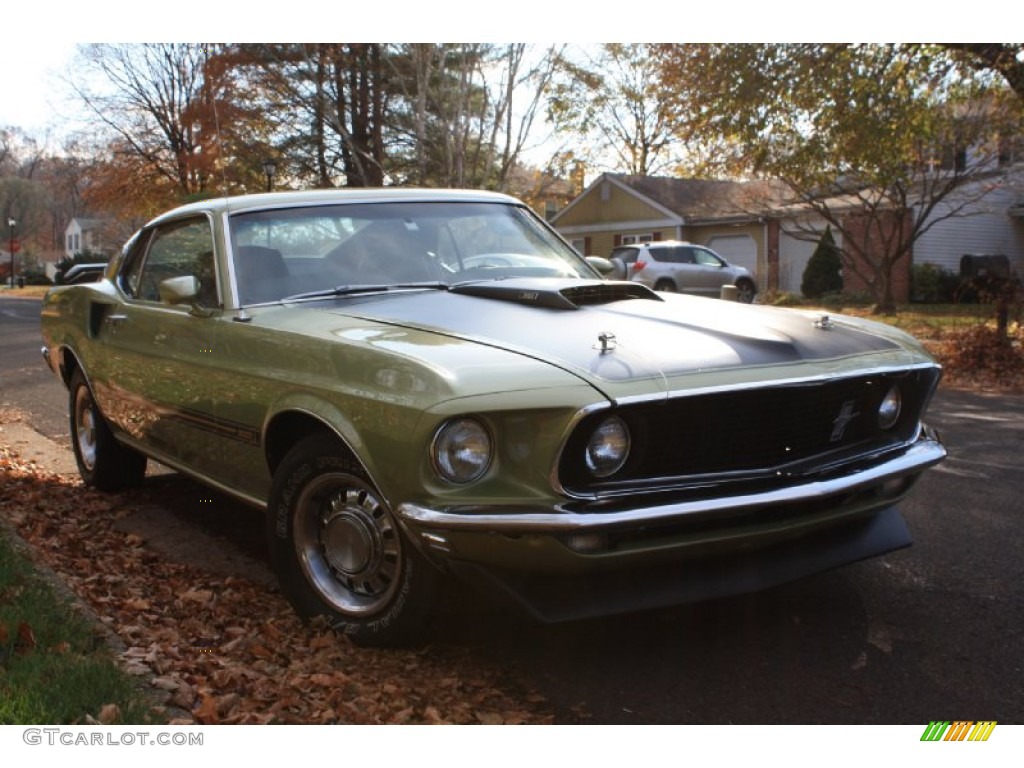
(114,322)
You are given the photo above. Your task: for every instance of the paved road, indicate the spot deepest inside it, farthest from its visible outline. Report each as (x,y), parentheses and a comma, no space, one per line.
(25,381)
(932,632)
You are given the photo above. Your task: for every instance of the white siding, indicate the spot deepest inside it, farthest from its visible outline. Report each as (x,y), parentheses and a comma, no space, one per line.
(794,253)
(796,247)
(989,230)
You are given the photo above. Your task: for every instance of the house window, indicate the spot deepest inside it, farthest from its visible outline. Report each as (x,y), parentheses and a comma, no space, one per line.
(550,209)
(579,244)
(633,239)
(70,245)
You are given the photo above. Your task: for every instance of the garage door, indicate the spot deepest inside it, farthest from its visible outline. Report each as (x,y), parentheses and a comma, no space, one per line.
(739,250)
(794,253)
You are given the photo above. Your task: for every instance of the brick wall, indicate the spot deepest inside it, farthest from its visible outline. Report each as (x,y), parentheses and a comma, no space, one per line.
(866,230)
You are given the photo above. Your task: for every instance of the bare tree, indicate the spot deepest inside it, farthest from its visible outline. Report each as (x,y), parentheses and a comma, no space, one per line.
(468,110)
(614,105)
(156,99)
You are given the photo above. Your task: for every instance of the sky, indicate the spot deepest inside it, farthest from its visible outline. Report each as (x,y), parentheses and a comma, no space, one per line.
(34,55)
(30,88)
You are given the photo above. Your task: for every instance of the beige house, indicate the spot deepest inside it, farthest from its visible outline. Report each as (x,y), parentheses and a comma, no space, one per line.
(754,225)
(618,209)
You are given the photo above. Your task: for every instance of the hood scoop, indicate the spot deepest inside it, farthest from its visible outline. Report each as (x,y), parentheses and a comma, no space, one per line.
(557,294)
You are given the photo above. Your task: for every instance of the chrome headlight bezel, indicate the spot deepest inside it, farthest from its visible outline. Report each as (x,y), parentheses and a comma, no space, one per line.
(462,450)
(607,450)
(890,408)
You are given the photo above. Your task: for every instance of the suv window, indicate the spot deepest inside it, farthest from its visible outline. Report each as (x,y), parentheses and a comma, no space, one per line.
(682,254)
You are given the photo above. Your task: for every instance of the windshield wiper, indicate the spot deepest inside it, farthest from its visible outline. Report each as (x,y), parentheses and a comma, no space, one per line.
(356,290)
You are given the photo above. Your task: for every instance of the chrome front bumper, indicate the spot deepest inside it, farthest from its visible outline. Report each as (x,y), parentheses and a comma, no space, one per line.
(926,452)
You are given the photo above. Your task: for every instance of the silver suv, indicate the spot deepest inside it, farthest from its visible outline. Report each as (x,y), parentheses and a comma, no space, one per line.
(671,265)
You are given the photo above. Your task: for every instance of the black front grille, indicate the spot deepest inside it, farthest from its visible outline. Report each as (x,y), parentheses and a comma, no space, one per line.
(751,432)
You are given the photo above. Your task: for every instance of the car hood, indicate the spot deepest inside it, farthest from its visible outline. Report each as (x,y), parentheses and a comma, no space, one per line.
(612,333)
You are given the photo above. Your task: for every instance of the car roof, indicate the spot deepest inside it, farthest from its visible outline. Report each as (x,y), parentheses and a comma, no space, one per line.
(655,244)
(290,199)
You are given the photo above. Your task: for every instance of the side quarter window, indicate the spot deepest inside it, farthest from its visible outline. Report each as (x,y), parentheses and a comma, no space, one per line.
(174,250)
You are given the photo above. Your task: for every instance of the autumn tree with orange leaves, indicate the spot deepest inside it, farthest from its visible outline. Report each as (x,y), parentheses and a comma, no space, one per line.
(169,122)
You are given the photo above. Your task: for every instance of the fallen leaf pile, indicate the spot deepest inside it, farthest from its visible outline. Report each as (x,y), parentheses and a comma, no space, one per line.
(227,650)
(977,358)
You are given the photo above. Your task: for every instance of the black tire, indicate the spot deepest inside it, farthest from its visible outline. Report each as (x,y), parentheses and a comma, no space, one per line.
(102,462)
(338,550)
(665,285)
(745,291)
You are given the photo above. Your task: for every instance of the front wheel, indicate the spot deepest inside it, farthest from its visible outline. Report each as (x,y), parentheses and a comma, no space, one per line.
(338,551)
(745,291)
(102,461)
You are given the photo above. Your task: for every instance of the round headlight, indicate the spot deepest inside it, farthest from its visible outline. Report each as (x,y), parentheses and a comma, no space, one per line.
(462,451)
(608,448)
(889,410)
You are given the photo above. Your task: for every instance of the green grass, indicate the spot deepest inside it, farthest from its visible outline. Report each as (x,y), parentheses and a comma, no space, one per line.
(68,673)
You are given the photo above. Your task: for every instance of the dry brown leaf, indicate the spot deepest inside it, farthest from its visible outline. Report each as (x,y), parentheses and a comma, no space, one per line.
(227,704)
(166,683)
(109,714)
(261,652)
(26,641)
(197,595)
(319,642)
(206,712)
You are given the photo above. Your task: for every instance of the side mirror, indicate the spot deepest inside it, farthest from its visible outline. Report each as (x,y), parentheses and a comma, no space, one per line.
(602,265)
(179,290)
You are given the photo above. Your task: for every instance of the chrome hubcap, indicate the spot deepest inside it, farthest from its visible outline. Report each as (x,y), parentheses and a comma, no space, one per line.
(85,428)
(347,543)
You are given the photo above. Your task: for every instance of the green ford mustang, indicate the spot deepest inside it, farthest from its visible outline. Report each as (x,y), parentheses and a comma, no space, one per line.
(414,384)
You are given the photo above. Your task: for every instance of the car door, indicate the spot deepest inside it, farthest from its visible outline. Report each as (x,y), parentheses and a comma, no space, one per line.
(708,272)
(154,381)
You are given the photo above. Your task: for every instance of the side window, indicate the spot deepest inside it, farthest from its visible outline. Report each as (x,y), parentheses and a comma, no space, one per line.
(175,250)
(132,267)
(707,258)
(682,255)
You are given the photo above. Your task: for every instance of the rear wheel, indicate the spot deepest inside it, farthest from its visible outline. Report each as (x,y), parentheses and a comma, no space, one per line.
(665,285)
(102,461)
(338,550)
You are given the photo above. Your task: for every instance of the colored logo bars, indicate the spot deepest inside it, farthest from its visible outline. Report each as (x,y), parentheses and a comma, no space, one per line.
(959,730)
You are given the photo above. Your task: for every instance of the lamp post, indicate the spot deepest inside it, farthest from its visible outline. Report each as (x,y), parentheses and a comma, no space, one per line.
(11,224)
(269,169)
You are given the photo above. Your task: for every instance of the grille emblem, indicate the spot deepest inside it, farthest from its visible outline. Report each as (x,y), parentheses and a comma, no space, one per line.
(840,422)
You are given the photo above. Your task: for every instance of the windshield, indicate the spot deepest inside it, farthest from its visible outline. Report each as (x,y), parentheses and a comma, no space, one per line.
(292,251)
